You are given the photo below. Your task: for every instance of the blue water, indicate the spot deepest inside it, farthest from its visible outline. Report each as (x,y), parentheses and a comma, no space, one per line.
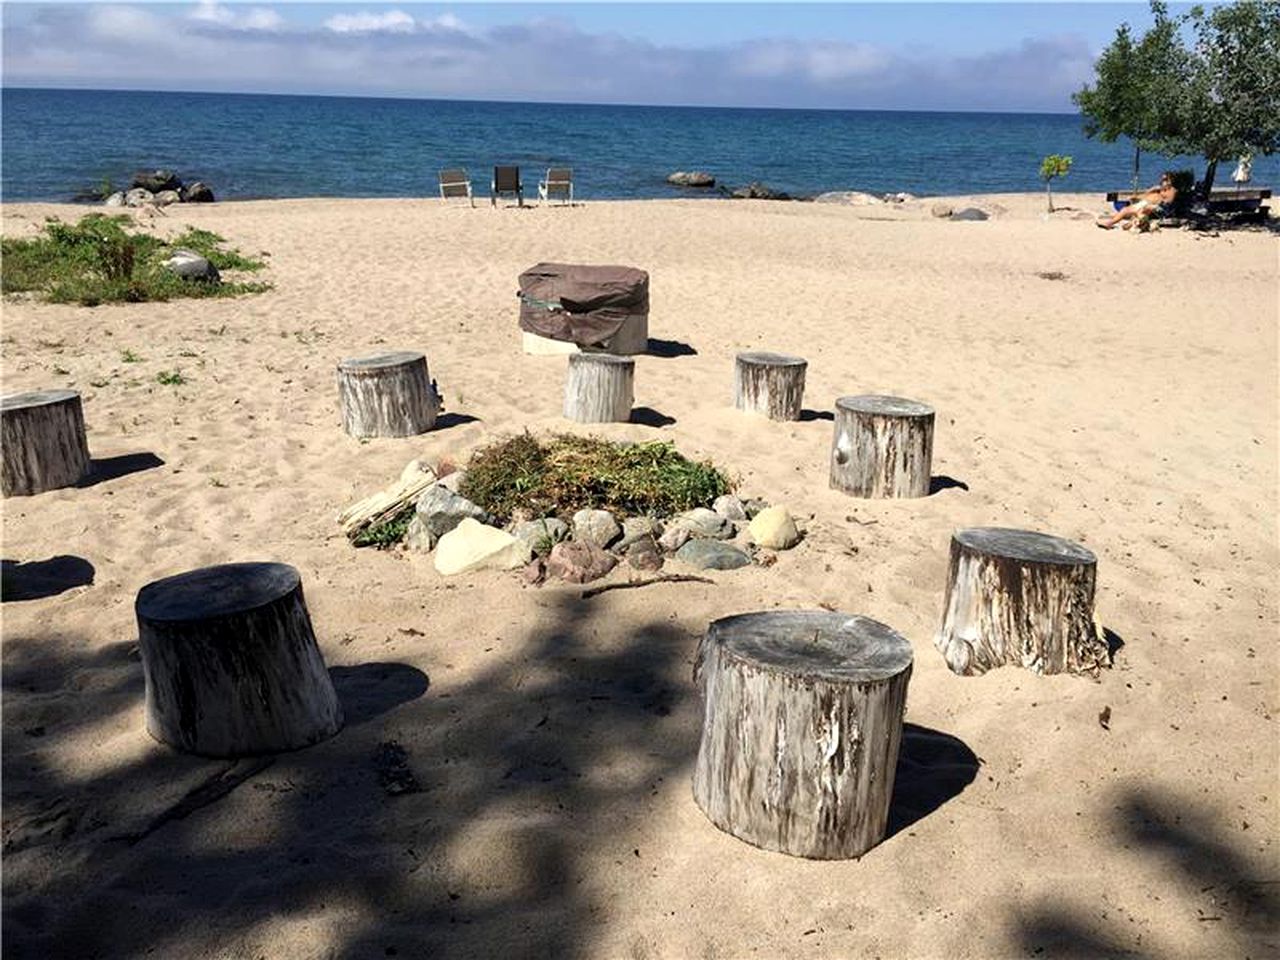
(58,142)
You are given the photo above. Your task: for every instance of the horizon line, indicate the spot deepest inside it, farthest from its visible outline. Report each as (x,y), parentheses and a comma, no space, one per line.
(542,103)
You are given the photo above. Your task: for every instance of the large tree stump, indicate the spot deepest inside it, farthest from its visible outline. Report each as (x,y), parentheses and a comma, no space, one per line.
(387,395)
(43,441)
(771,384)
(883,447)
(600,388)
(801,727)
(231,663)
(1019,597)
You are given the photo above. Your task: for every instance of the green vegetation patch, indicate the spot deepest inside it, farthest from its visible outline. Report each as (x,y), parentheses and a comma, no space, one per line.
(97,260)
(561,474)
(388,533)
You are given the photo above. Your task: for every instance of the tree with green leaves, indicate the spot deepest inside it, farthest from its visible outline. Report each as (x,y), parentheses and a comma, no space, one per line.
(1053,166)
(1233,102)
(1140,87)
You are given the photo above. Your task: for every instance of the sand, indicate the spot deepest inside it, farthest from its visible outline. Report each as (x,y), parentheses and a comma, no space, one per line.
(1114,389)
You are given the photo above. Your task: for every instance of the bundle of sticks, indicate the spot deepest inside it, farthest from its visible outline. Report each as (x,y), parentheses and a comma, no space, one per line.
(387,504)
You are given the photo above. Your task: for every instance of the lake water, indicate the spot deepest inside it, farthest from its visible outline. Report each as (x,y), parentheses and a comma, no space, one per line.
(58,142)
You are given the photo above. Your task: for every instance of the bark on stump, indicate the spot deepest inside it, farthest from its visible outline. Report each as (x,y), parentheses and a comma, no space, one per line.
(801,727)
(1023,598)
(387,395)
(600,388)
(771,384)
(883,447)
(43,442)
(231,663)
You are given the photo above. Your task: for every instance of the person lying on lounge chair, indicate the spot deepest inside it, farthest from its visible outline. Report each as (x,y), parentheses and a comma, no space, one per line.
(1144,206)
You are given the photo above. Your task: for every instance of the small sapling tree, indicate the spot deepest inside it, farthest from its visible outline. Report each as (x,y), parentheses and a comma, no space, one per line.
(1053,166)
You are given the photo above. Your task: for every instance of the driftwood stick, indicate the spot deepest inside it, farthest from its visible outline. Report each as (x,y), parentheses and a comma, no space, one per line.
(210,791)
(663,578)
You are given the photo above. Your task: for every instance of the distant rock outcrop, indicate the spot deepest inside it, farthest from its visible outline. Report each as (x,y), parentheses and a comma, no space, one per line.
(970,213)
(158,188)
(756,190)
(693,178)
(156,181)
(197,192)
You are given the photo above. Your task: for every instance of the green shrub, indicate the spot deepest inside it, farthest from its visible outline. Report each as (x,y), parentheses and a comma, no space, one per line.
(563,474)
(97,260)
(388,533)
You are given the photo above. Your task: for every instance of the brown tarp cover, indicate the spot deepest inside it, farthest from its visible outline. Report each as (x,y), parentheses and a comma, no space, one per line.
(583,304)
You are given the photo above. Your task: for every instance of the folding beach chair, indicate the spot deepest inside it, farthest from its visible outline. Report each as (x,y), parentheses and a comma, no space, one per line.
(559,183)
(455,183)
(506,181)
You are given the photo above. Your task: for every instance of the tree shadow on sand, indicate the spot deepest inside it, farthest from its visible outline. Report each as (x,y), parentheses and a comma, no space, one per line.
(1239,902)
(541,754)
(37,579)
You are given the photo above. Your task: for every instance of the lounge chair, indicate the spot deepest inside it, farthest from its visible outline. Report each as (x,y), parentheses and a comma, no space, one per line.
(559,183)
(506,181)
(455,183)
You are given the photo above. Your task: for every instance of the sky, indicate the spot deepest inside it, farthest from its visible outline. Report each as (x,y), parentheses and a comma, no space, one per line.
(888,56)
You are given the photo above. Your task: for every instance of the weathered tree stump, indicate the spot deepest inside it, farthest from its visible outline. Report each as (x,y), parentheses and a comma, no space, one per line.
(801,727)
(600,388)
(43,441)
(231,663)
(883,447)
(771,384)
(387,395)
(1019,597)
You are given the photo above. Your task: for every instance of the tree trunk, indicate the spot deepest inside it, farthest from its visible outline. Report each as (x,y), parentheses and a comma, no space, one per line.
(771,384)
(1023,598)
(1210,174)
(600,388)
(1049,190)
(883,447)
(231,663)
(387,395)
(43,441)
(801,727)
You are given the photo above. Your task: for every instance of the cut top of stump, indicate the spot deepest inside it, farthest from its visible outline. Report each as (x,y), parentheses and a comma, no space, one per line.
(220,591)
(1023,545)
(377,362)
(816,644)
(766,359)
(36,398)
(885,406)
(604,359)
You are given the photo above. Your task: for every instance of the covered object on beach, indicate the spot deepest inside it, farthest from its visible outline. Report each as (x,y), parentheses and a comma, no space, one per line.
(586,305)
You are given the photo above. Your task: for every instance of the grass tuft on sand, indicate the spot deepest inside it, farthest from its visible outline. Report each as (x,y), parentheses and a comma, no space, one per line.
(560,474)
(97,260)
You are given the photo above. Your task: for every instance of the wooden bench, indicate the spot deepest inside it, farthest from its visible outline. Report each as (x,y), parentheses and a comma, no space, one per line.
(1221,200)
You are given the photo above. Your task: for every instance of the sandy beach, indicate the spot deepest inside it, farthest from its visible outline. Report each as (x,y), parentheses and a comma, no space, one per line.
(1115,389)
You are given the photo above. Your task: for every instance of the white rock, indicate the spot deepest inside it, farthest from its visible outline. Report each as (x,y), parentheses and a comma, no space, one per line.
(472,545)
(729,507)
(596,526)
(774,529)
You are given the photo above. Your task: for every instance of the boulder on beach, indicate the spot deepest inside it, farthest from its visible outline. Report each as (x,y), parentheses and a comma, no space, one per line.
(138,197)
(970,213)
(755,190)
(692,178)
(156,181)
(852,198)
(166,197)
(189,265)
(197,192)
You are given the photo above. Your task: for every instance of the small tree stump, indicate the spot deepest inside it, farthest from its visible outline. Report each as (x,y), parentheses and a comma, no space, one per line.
(1019,597)
(801,727)
(43,441)
(387,395)
(231,663)
(883,447)
(771,384)
(600,388)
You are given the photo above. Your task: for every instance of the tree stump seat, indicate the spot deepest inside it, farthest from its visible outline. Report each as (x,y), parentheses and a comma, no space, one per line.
(1020,597)
(770,384)
(231,663)
(42,439)
(882,447)
(387,395)
(802,722)
(600,388)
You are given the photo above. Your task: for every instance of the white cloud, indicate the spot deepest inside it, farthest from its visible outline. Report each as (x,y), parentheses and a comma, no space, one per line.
(393,21)
(255,18)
